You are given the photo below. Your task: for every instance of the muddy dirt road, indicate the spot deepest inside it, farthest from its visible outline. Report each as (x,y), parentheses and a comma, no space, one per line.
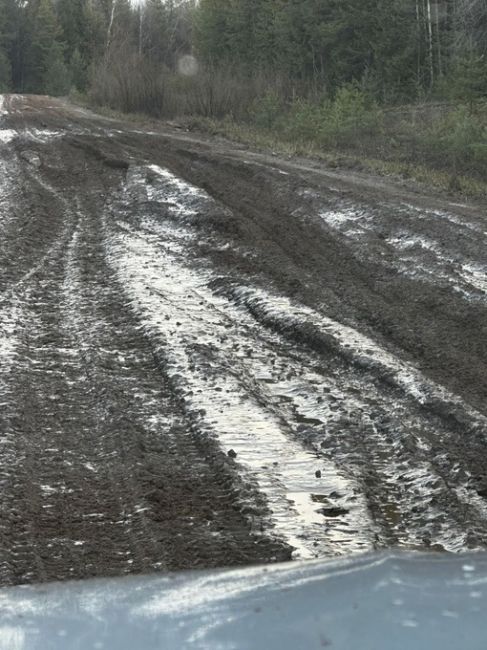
(212,357)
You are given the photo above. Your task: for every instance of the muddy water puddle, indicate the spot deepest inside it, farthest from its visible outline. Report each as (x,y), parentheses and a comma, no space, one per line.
(412,251)
(217,384)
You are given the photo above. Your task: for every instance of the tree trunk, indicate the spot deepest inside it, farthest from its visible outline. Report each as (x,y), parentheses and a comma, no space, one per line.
(429,27)
(438,39)
(110,25)
(141,25)
(419,44)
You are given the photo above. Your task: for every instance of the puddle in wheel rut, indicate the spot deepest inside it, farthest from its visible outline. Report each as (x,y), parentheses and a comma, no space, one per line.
(419,254)
(346,463)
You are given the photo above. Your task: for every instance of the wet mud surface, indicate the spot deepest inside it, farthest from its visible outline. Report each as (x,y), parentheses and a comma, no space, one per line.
(212,357)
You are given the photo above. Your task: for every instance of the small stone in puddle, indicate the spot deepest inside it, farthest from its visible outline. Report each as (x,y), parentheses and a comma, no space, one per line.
(333,512)
(31,157)
(232,453)
(318,473)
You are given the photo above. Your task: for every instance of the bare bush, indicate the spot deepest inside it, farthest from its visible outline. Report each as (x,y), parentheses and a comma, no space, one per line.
(128,82)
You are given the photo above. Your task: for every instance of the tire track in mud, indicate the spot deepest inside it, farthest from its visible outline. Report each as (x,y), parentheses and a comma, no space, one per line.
(420,252)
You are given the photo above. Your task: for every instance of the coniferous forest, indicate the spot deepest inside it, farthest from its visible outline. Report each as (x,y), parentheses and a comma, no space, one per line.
(395,49)
(336,73)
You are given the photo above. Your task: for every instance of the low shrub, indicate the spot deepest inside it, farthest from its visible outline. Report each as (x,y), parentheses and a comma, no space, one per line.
(266,111)
(351,116)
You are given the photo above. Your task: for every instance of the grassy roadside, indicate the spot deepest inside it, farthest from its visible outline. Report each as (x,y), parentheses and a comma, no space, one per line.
(392,164)
(461,186)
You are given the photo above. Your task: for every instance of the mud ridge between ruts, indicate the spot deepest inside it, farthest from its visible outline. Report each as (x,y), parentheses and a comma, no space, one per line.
(214,358)
(453,411)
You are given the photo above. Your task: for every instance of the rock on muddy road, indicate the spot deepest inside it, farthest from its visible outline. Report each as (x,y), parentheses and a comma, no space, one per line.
(213,357)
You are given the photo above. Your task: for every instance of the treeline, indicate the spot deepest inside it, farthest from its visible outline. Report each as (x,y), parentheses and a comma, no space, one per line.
(52,46)
(396,50)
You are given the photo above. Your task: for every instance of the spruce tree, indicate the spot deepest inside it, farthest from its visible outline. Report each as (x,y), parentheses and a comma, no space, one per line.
(5,65)
(44,56)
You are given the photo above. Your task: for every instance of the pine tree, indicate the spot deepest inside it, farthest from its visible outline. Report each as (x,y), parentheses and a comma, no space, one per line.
(71,15)
(45,55)
(470,79)
(5,72)
(93,45)
(77,71)
(212,31)
(5,65)
(56,78)
(154,31)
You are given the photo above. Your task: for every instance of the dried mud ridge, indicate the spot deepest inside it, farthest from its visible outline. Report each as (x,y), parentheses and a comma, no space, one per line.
(210,357)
